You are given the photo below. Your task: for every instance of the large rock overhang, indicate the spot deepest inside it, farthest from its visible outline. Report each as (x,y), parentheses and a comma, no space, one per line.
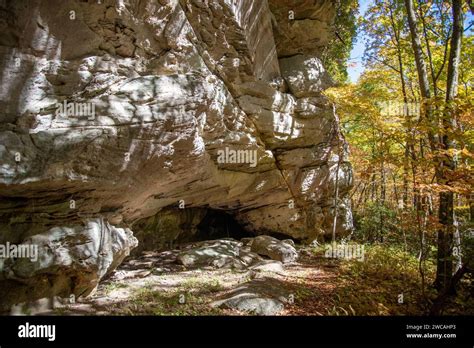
(177,89)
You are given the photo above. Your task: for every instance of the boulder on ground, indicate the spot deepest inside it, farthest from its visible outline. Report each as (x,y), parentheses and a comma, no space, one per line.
(68,260)
(275,249)
(220,253)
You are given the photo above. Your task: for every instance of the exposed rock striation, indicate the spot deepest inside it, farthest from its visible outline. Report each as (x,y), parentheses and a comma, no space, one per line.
(68,261)
(158,92)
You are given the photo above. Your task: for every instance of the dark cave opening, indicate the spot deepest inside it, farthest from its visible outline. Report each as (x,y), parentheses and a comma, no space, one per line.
(171,228)
(219,224)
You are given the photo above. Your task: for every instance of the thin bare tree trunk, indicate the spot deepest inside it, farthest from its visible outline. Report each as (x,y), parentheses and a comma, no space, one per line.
(396,34)
(420,67)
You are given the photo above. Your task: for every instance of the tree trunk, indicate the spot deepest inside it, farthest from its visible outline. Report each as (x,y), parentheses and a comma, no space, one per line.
(409,136)
(446,198)
(420,66)
(418,51)
(446,202)
(471,207)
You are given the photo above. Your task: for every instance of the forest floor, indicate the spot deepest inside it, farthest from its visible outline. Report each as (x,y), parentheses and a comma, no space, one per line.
(385,283)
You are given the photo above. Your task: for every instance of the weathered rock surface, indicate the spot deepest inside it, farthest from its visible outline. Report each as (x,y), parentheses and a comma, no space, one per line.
(173,84)
(69,260)
(283,251)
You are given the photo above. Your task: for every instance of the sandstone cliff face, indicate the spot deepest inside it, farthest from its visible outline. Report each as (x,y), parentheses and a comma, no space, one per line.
(177,91)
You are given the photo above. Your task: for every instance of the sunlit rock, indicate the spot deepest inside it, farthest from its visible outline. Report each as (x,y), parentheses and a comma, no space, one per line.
(68,261)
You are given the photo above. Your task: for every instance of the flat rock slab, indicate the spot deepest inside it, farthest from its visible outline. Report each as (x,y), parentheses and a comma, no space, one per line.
(263,296)
(268,266)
